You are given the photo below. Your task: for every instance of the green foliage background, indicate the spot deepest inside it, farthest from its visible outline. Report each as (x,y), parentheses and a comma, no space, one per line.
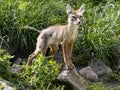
(16,14)
(99,32)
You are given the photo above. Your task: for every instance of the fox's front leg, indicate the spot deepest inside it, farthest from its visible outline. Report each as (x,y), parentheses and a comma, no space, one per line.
(69,53)
(66,57)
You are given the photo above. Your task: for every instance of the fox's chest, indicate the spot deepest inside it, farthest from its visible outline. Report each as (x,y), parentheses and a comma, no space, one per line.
(73,33)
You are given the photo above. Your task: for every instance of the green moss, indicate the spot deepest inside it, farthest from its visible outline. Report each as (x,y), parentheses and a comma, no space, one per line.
(97,86)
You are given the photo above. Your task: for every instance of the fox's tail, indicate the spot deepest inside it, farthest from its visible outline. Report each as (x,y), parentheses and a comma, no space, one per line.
(31,28)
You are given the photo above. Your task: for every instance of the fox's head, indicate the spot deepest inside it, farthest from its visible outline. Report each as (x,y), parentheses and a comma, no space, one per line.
(75,16)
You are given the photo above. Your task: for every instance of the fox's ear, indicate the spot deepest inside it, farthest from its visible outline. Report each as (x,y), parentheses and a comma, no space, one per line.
(69,9)
(81,10)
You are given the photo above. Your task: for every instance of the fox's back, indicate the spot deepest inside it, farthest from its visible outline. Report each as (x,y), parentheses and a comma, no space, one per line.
(53,34)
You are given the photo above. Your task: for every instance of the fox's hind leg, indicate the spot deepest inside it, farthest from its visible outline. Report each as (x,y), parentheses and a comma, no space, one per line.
(32,56)
(41,47)
(53,49)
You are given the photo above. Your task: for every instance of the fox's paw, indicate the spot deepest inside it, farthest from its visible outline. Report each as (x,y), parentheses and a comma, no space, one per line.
(70,66)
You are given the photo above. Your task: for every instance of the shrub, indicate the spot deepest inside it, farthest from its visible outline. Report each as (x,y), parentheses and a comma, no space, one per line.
(40,74)
(4,65)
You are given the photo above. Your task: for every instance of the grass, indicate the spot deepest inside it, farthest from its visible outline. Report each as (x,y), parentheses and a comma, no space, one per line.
(15,15)
(99,34)
(97,86)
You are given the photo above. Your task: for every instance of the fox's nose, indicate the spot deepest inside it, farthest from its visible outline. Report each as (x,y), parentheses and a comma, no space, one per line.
(78,22)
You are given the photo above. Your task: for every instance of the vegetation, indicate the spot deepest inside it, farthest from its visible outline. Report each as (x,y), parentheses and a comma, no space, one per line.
(118,87)
(17,14)
(97,86)
(4,64)
(37,76)
(41,73)
(115,75)
(1,87)
(98,34)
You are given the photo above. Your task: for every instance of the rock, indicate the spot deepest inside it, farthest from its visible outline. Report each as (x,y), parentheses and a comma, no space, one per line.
(16,69)
(89,74)
(18,60)
(58,57)
(73,78)
(6,85)
(100,68)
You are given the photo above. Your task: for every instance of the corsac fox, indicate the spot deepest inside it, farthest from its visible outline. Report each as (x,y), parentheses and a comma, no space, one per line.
(60,34)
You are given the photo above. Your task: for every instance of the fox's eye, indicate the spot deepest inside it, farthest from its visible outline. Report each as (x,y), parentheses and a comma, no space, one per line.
(80,16)
(74,17)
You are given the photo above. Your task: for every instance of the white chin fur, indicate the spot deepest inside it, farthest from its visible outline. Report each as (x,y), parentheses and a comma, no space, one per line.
(76,23)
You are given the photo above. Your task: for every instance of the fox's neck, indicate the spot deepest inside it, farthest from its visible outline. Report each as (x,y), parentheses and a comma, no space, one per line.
(72,26)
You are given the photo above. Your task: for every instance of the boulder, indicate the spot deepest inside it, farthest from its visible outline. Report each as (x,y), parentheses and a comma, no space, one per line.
(16,68)
(6,85)
(100,68)
(73,78)
(88,73)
